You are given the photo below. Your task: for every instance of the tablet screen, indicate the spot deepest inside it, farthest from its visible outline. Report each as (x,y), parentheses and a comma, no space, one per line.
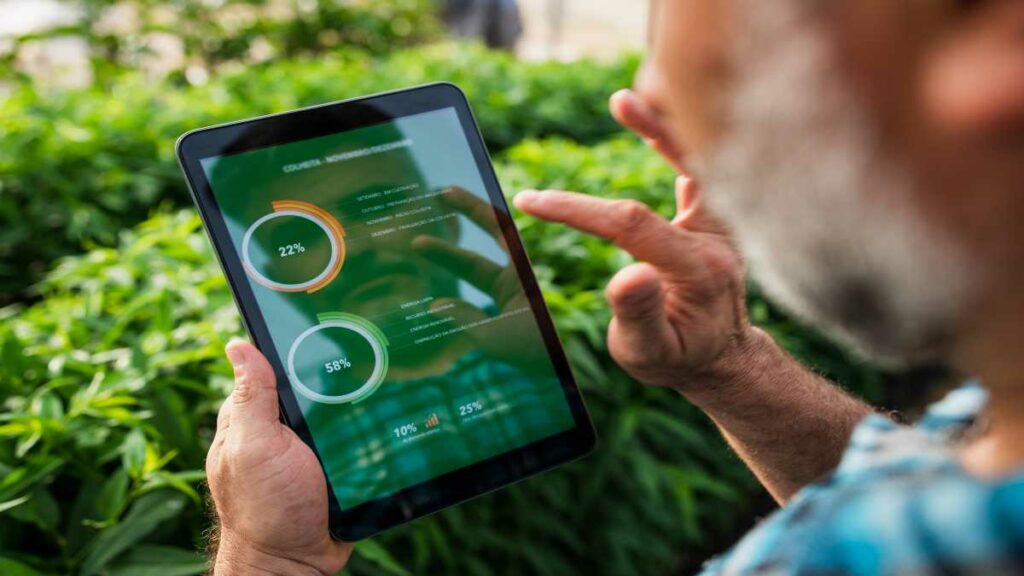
(378,264)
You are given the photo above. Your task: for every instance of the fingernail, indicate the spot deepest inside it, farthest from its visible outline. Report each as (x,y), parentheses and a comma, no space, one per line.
(235,356)
(525,197)
(621,93)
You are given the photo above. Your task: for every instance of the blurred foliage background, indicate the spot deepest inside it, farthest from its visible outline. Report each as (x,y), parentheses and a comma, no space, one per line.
(115,313)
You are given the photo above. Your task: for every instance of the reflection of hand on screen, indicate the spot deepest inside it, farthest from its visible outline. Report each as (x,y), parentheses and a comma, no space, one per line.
(501,340)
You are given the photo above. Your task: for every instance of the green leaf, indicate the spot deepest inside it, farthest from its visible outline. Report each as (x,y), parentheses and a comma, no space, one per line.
(79,531)
(171,418)
(145,515)
(25,444)
(5,506)
(180,482)
(373,552)
(41,509)
(20,479)
(113,495)
(150,560)
(133,452)
(10,567)
(48,406)
(15,428)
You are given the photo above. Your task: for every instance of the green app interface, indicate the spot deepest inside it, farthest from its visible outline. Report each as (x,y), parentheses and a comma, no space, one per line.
(377,262)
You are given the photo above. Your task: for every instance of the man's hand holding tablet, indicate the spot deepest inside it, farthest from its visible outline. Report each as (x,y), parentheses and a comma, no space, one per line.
(379,273)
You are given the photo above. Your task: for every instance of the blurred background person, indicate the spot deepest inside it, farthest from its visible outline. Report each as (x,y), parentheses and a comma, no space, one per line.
(496,22)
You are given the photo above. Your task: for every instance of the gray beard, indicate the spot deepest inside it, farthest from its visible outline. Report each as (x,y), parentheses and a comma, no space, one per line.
(820,211)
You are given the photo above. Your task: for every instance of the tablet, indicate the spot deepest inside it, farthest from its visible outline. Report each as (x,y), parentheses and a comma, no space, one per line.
(372,255)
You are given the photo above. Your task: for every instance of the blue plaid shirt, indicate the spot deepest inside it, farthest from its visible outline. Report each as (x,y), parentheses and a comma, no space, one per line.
(899,503)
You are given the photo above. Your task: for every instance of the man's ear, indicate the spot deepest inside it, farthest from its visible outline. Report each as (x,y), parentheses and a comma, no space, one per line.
(974,80)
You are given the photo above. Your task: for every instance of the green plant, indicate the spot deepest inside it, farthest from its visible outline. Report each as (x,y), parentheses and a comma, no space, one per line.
(77,167)
(106,399)
(122,34)
(110,383)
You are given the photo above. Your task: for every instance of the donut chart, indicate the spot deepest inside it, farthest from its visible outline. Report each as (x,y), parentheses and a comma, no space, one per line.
(342,359)
(301,248)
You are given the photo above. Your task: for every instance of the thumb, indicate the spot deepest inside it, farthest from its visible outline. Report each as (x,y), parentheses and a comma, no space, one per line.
(254,399)
(640,329)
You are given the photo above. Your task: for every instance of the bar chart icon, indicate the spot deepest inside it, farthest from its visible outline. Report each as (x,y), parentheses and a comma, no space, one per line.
(432,421)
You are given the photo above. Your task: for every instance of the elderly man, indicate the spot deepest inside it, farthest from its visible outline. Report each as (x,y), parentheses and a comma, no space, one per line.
(866,157)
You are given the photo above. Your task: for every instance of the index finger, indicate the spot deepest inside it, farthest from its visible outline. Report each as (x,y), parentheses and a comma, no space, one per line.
(630,224)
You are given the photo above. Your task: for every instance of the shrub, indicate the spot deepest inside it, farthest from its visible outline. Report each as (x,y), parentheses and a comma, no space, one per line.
(111,382)
(108,385)
(77,167)
(213,33)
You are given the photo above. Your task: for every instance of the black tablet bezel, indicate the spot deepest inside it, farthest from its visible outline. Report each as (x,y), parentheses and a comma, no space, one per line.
(449,489)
